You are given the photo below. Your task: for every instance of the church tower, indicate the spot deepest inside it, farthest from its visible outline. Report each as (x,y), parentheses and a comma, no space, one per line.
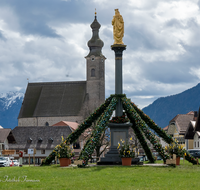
(95,68)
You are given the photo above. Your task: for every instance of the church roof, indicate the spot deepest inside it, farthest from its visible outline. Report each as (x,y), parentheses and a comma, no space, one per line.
(53,99)
(42,137)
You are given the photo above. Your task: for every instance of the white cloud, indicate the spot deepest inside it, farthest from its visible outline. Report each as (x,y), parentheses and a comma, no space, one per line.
(177,9)
(49,44)
(195,71)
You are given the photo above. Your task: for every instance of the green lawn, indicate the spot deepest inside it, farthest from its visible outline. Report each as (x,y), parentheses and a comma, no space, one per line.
(102,177)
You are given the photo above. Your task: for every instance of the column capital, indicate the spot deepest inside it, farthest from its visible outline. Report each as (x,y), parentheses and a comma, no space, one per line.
(118,48)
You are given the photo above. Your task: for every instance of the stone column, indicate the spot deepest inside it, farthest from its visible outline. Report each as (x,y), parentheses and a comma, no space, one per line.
(117,130)
(118,75)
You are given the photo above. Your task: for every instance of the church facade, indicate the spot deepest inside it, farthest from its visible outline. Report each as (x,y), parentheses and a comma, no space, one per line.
(47,103)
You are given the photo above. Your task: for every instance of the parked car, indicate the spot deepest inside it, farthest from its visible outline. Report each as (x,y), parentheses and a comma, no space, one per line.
(195,152)
(143,158)
(16,163)
(4,161)
(11,163)
(159,157)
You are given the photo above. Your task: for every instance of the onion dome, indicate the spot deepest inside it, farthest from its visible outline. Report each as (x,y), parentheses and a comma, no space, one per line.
(95,44)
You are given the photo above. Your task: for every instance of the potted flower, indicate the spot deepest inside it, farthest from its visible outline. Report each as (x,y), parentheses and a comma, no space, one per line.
(125,152)
(64,152)
(175,148)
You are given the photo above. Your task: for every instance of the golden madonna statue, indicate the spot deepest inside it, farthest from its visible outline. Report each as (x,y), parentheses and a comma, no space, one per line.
(118,27)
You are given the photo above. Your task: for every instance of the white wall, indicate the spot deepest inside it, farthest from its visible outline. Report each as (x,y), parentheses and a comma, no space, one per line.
(196,141)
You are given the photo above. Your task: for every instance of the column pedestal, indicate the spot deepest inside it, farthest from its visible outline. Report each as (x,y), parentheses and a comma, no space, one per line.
(118,131)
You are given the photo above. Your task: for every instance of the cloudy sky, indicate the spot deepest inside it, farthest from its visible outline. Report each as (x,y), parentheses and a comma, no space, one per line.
(46,40)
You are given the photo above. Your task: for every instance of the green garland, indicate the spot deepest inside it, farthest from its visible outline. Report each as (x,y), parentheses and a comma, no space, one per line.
(161,133)
(189,158)
(167,138)
(155,142)
(129,111)
(137,118)
(88,122)
(89,147)
(81,128)
(149,135)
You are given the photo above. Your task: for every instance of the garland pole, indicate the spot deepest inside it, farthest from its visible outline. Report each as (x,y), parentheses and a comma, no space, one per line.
(89,147)
(81,128)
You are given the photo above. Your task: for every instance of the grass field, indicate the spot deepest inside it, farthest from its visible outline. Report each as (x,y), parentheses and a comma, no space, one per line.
(101,177)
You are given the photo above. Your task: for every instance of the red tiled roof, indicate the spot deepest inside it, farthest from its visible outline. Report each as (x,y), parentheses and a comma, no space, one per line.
(72,125)
(165,128)
(190,113)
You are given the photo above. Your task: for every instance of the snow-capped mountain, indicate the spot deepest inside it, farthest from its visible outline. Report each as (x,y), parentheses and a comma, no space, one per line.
(10,98)
(10,104)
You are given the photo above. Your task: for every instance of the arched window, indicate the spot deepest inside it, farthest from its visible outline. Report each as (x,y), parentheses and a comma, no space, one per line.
(92,72)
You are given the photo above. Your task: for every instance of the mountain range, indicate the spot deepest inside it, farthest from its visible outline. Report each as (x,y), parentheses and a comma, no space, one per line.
(10,104)
(161,110)
(165,109)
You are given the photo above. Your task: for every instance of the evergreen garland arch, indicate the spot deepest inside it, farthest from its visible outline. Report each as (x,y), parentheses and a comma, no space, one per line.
(141,124)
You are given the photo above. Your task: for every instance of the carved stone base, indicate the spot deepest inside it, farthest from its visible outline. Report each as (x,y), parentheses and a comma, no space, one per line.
(117,131)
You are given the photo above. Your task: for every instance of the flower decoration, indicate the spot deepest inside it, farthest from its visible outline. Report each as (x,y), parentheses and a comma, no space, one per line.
(63,150)
(119,119)
(175,148)
(125,150)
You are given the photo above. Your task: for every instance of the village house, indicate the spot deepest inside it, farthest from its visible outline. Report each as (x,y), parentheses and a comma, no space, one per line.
(192,134)
(6,139)
(178,126)
(42,138)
